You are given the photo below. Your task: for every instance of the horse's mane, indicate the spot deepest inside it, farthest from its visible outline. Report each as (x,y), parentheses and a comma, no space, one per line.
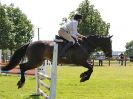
(98,36)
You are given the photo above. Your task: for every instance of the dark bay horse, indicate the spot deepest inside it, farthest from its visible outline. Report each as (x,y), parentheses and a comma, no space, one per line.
(36,52)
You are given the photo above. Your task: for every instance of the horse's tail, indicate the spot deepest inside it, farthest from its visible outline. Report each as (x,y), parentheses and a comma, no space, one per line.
(16,58)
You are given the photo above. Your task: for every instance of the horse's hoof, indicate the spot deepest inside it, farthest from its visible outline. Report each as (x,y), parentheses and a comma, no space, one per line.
(82,75)
(20,84)
(83,79)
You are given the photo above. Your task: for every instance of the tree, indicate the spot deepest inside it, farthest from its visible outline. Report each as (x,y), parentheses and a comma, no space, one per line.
(92,23)
(129,48)
(15,29)
(5,27)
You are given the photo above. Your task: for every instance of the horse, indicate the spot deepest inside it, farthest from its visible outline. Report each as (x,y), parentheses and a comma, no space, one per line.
(36,52)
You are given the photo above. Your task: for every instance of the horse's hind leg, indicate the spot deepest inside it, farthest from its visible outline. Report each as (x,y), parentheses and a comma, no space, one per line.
(24,67)
(86,75)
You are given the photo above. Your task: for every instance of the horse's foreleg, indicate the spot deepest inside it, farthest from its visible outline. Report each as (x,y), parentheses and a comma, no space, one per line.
(86,75)
(23,68)
(22,79)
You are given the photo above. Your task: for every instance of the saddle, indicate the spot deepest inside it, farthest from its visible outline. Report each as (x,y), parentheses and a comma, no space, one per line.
(60,39)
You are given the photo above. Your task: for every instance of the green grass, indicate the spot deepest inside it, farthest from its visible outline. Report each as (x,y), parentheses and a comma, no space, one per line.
(107,82)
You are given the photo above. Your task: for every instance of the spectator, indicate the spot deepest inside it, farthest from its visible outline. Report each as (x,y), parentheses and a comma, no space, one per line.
(101,58)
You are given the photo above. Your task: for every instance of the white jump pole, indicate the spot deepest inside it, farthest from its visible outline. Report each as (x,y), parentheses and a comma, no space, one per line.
(54,73)
(37,81)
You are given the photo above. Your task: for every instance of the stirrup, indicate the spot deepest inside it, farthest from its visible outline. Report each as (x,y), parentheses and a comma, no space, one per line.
(64,57)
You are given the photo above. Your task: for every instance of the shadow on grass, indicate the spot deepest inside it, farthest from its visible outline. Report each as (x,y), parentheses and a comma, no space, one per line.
(33,97)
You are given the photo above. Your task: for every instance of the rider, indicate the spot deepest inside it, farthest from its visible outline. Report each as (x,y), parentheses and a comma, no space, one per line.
(70,33)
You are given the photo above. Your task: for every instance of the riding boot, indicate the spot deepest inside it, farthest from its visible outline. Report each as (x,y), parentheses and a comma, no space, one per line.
(64,50)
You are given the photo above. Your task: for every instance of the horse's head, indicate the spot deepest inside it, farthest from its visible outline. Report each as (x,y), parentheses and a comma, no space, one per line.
(106,45)
(101,42)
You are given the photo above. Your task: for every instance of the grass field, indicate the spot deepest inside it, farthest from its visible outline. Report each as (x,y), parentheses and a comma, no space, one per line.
(106,82)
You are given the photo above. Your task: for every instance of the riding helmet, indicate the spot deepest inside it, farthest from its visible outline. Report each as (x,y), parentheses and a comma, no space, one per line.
(77,16)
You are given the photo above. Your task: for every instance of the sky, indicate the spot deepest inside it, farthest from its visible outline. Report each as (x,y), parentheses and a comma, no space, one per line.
(48,14)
